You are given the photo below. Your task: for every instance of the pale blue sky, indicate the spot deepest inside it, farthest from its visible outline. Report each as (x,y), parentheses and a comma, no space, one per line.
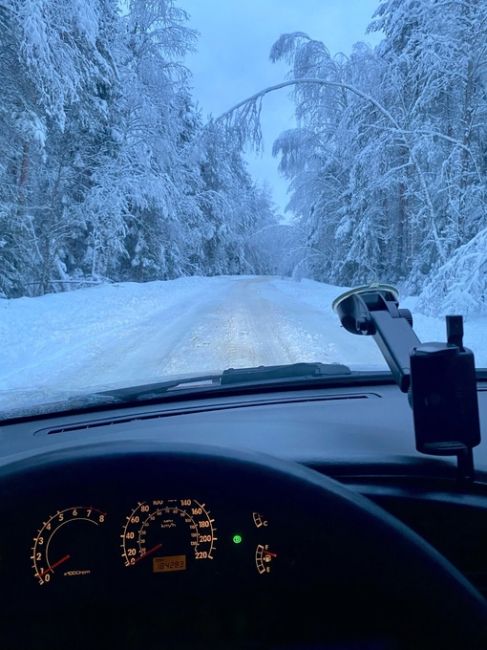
(232,61)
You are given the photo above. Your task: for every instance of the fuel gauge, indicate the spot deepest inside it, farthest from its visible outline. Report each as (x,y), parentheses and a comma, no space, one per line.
(264,558)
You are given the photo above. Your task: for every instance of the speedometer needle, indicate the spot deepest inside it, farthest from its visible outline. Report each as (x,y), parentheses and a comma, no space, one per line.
(149,552)
(53,566)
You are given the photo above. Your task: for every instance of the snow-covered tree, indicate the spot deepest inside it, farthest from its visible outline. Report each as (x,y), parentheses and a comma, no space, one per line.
(106,170)
(56,64)
(387,165)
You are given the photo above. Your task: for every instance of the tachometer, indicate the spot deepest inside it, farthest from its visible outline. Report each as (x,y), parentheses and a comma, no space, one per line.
(168,534)
(61,548)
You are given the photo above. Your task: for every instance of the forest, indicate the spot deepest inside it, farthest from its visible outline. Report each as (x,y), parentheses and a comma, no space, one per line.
(108,171)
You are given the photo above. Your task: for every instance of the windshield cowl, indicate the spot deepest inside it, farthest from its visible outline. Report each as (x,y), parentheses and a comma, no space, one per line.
(17,404)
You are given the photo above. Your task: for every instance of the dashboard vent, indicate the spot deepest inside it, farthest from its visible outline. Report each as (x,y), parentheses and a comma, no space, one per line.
(156,415)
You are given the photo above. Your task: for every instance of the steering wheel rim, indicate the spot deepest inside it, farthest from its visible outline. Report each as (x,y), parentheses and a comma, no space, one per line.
(440,608)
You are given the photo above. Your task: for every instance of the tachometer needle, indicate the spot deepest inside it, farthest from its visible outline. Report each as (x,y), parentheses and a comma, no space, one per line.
(54,566)
(149,552)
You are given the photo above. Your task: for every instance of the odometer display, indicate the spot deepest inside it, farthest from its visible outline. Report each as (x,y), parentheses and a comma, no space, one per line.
(163,529)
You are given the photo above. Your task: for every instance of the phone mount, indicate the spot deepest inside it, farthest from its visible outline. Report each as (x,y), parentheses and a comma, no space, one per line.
(439,377)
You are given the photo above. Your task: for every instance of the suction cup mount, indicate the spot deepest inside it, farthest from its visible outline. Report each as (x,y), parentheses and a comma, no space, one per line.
(439,378)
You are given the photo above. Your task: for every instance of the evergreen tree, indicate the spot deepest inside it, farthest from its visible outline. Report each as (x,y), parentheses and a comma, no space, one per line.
(106,170)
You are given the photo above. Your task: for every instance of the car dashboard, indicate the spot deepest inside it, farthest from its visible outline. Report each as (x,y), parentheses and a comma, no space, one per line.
(96,537)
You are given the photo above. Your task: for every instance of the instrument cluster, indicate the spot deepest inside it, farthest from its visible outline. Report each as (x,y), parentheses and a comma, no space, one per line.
(158,536)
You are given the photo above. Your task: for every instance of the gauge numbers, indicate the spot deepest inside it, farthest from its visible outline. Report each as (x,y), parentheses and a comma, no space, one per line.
(59,548)
(167,534)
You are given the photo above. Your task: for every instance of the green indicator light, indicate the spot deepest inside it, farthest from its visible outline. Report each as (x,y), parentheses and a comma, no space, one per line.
(237,539)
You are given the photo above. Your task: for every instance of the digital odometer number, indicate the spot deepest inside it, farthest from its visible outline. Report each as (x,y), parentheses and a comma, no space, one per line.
(163,529)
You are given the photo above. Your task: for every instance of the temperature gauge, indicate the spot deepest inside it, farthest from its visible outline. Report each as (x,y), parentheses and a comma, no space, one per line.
(259,520)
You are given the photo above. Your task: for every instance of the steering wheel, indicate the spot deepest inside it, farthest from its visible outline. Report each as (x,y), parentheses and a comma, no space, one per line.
(346,570)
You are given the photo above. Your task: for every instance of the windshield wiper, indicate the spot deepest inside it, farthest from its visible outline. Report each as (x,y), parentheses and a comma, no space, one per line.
(288,371)
(232,376)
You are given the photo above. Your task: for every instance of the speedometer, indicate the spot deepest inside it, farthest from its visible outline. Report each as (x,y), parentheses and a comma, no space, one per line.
(168,534)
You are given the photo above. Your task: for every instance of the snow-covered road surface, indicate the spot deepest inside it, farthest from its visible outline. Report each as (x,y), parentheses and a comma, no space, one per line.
(127,334)
(255,321)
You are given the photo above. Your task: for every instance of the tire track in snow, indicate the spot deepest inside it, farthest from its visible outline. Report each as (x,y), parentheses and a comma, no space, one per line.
(250,329)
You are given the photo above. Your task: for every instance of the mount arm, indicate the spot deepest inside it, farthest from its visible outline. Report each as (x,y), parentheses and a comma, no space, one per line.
(439,378)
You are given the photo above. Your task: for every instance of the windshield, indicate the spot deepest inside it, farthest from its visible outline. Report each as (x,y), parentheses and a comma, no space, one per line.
(186,186)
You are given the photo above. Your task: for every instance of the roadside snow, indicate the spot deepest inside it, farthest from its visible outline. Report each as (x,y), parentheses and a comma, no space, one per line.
(128,334)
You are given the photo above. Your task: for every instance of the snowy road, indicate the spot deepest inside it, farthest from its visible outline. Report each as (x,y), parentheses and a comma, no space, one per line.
(128,334)
(256,322)
(135,333)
